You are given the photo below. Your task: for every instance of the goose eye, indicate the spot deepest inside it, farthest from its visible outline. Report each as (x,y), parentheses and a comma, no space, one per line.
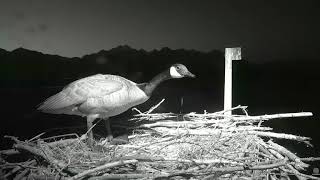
(178,67)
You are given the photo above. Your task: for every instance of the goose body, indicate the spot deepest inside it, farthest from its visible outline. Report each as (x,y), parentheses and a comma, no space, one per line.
(104,96)
(100,95)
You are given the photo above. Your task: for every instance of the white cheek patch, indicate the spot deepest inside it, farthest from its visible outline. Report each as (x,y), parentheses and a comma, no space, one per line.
(174,73)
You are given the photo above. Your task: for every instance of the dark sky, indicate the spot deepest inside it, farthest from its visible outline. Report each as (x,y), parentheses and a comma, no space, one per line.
(265,29)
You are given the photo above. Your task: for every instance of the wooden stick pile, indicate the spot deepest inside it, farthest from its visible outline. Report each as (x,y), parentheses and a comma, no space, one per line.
(166,145)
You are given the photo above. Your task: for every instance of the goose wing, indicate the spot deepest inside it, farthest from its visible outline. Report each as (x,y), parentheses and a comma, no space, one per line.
(80,90)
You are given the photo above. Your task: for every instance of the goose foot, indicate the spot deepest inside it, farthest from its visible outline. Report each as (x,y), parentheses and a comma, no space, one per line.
(109,137)
(122,139)
(105,141)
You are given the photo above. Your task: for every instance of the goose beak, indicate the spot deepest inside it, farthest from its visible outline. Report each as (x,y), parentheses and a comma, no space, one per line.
(189,74)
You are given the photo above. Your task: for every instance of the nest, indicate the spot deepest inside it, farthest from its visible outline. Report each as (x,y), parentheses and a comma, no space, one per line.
(165,146)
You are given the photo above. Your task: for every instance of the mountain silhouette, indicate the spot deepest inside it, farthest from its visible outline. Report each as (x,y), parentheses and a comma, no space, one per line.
(28,77)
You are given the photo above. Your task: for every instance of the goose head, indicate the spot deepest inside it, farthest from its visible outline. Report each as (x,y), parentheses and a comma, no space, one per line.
(180,71)
(175,71)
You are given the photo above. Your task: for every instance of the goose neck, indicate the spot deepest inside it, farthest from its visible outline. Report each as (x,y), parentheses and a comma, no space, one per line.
(151,85)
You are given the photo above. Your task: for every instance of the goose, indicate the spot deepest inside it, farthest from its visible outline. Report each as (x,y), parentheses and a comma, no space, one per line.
(104,96)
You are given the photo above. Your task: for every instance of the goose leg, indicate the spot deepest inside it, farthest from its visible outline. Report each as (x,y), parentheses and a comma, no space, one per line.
(123,139)
(90,120)
(109,132)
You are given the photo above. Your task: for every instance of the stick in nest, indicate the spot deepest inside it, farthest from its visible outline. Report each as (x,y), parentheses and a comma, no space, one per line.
(103,167)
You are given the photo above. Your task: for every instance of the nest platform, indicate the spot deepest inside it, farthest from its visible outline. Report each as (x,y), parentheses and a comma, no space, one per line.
(165,146)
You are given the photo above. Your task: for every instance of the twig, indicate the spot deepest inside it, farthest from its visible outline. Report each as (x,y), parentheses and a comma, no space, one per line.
(22,174)
(201,124)
(242,168)
(9,152)
(48,158)
(28,164)
(279,156)
(297,173)
(301,165)
(154,107)
(103,167)
(209,131)
(234,108)
(14,170)
(280,135)
(61,136)
(310,159)
(244,109)
(36,137)
(136,109)
(140,158)
(247,117)
(63,142)
(150,110)
(15,139)
(122,176)
(273,116)
(224,170)
(46,177)
(205,161)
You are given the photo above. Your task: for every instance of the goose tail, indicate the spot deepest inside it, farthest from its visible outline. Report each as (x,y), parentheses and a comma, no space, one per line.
(54,103)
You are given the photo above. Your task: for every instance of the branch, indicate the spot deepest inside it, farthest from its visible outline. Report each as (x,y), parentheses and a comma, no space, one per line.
(280,135)
(246,117)
(195,124)
(301,165)
(310,159)
(15,139)
(243,168)
(46,177)
(49,159)
(204,161)
(298,174)
(9,152)
(225,170)
(210,131)
(232,109)
(150,110)
(154,107)
(279,156)
(122,176)
(273,116)
(63,142)
(103,167)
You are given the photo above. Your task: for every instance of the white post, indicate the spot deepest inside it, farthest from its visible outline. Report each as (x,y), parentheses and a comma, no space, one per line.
(230,54)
